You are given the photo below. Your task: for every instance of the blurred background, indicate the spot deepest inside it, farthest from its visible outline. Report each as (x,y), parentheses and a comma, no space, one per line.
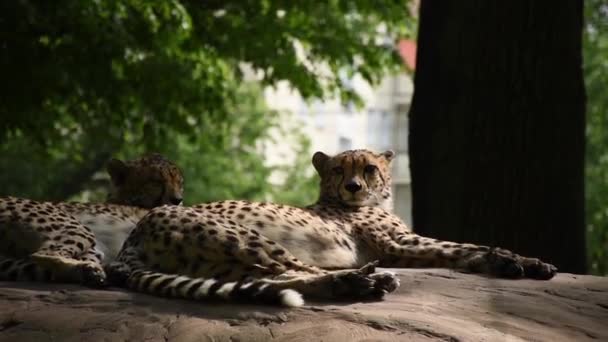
(238,93)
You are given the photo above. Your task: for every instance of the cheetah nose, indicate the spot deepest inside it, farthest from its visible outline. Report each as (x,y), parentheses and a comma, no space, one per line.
(352,187)
(176,200)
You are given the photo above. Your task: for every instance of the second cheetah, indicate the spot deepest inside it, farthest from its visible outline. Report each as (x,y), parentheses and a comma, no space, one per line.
(66,241)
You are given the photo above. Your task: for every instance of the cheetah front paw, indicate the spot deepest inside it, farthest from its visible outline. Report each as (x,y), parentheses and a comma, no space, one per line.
(92,276)
(503,263)
(386,281)
(536,269)
(364,283)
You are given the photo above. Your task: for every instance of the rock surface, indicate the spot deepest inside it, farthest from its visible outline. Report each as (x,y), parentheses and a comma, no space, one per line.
(430,305)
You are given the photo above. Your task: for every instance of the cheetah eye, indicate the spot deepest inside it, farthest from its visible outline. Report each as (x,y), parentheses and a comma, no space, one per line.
(370,169)
(338,170)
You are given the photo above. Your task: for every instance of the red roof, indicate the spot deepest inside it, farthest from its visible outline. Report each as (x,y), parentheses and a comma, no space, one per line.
(407,50)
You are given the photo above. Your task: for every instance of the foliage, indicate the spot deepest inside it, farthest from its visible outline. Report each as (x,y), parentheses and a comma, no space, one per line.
(83,80)
(161,63)
(596,78)
(220,159)
(226,161)
(299,183)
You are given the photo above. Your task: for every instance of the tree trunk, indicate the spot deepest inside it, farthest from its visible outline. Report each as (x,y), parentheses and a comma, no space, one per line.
(497,127)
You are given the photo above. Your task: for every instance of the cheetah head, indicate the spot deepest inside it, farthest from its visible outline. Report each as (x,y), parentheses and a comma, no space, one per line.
(145,182)
(355,178)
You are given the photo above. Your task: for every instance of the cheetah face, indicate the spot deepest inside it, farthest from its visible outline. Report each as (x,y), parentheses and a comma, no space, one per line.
(146,182)
(355,178)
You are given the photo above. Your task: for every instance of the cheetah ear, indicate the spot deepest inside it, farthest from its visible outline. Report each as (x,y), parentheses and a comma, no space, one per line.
(388,155)
(117,170)
(318,161)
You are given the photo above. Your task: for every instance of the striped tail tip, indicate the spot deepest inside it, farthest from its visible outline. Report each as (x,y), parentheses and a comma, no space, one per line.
(291,298)
(173,285)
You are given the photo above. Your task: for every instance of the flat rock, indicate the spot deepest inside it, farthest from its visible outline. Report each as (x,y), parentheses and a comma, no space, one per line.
(430,305)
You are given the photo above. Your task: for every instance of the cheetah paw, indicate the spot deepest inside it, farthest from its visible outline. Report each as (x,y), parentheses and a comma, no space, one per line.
(536,269)
(369,268)
(386,281)
(505,264)
(364,283)
(93,276)
(353,285)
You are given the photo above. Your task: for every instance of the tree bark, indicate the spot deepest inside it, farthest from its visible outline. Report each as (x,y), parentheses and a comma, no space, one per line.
(497,127)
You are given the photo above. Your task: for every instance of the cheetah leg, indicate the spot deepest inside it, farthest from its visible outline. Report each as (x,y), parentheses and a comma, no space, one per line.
(362,283)
(39,267)
(339,284)
(45,251)
(60,268)
(258,251)
(274,259)
(19,269)
(56,266)
(411,250)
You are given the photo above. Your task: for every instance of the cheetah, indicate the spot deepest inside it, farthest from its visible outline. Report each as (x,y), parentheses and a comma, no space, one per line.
(67,241)
(273,253)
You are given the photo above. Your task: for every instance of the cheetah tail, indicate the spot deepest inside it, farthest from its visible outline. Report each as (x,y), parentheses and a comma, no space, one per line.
(171,285)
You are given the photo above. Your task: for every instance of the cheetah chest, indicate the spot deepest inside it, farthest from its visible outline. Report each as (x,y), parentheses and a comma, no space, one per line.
(110,230)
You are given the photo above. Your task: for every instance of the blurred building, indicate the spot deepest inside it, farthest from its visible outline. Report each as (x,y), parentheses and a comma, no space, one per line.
(381,125)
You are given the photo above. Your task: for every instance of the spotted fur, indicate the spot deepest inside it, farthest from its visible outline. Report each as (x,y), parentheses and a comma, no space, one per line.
(145,182)
(237,244)
(67,241)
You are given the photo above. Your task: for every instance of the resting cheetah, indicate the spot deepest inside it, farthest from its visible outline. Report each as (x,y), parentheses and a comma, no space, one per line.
(66,241)
(264,251)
